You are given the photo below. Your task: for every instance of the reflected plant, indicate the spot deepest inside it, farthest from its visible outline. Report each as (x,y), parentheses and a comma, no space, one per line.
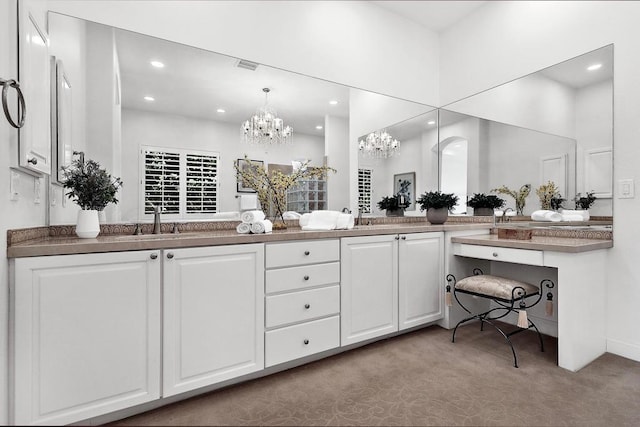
(584,202)
(546,193)
(272,189)
(519,196)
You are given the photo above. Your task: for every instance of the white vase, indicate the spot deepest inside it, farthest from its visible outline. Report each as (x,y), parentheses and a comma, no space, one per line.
(87,226)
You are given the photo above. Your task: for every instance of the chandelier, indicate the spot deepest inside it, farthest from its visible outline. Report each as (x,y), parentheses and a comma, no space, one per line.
(379,145)
(265,127)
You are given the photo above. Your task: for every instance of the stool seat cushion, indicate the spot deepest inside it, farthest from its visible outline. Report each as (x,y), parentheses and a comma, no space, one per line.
(495,286)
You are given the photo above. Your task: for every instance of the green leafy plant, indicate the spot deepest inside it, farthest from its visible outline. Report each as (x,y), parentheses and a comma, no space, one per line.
(586,201)
(91,187)
(519,196)
(481,200)
(389,203)
(437,200)
(556,202)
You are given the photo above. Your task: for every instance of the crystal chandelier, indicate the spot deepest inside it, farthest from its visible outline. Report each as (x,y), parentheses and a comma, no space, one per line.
(265,127)
(379,145)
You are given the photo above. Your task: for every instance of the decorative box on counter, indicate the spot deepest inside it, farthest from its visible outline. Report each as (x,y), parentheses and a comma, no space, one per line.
(516,233)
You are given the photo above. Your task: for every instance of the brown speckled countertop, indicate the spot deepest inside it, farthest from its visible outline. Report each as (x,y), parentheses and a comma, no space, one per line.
(64,245)
(542,243)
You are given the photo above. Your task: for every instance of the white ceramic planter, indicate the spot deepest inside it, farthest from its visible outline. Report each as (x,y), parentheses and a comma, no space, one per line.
(87,225)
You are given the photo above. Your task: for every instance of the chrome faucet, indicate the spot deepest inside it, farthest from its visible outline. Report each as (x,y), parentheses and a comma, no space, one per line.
(359,219)
(157,227)
(346,210)
(505,218)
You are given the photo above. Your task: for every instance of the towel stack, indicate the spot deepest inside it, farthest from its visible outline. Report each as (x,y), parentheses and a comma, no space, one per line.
(574,215)
(254,222)
(546,215)
(564,215)
(326,220)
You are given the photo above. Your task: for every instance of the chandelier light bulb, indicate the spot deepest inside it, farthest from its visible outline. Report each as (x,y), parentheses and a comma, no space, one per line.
(379,145)
(265,127)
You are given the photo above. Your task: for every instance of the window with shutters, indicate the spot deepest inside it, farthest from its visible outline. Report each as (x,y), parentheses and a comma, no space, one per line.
(364,190)
(181,183)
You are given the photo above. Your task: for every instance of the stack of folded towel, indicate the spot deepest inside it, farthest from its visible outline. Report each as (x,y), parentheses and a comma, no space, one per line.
(546,215)
(326,220)
(254,222)
(574,215)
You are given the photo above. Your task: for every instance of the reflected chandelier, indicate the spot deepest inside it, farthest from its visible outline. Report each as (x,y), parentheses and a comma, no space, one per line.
(379,145)
(265,127)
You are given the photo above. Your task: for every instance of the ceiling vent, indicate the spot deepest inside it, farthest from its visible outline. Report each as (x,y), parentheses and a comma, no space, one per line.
(247,65)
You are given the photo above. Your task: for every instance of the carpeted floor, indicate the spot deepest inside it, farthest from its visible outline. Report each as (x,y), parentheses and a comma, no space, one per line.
(423,379)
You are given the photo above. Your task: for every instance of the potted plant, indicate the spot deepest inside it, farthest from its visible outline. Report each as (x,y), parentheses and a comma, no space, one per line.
(556,202)
(92,188)
(519,196)
(546,193)
(437,205)
(586,201)
(483,204)
(392,205)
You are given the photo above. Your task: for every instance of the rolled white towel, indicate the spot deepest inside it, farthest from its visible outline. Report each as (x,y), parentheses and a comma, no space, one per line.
(304,219)
(345,222)
(498,213)
(546,215)
(583,213)
(243,228)
(291,215)
(566,217)
(262,226)
(252,216)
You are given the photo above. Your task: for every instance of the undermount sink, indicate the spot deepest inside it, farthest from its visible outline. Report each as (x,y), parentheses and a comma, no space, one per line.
(147,236)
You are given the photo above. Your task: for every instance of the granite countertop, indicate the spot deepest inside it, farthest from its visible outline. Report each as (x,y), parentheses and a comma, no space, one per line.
(64,245)
(542,243)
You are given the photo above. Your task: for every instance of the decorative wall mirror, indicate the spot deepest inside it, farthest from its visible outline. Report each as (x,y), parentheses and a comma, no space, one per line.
(555,124)
(200,100)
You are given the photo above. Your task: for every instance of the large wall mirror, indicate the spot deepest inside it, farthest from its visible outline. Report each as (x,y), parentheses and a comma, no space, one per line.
(552,125)
(194,103)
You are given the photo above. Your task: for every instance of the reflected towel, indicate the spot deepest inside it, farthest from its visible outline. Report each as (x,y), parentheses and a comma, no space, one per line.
(304,219)
(291,215)
(262,226)
(252,216)
(546,215)
(584,214)
(248,202)
(243,228)
(345,222)
(572,217)
(322,220)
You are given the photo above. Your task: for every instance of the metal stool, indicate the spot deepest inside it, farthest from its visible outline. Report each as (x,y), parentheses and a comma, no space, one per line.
(504,292)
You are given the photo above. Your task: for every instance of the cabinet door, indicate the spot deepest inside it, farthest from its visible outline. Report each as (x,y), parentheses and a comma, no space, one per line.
(369,289)
(213,315)
(86,335)
(420,283)
(35,137)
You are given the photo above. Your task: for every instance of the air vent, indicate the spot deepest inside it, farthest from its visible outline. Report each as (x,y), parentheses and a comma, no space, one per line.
(247,65)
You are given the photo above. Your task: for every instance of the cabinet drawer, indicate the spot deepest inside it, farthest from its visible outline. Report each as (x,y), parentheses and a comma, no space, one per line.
(297,341)
(303,252)
(306,276)
(519,256)
(301,306)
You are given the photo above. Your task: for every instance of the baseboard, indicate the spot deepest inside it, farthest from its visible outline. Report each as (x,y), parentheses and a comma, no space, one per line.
(629,351)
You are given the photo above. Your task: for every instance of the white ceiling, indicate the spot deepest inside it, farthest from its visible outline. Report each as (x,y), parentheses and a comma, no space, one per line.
(434,15)
(573,72)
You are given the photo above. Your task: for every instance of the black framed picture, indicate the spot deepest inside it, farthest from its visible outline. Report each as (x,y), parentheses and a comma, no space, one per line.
(405,184)
(245,165)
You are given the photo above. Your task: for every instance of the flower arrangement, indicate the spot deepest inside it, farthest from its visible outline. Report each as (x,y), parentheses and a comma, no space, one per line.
(91,187)
(437,200)
(586,201)
(272,189)
(519,196)
(548,192)
(481,200)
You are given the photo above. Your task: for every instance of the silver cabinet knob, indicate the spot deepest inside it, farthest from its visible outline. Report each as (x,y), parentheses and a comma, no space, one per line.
(307,253)
(404,237)
(495,254)
(397,237)
(170,255)
(33,161)
(306,277)
(153,256)
(307,306)
(306,342)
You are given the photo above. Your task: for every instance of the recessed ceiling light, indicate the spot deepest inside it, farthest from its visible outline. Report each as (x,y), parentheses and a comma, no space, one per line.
(318,127)
(333,102)
(157,64)
(594,67)
(431,122)
(149,98)
(220,110)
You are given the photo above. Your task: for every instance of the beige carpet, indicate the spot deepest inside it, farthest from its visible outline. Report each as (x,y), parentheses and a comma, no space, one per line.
(423,379)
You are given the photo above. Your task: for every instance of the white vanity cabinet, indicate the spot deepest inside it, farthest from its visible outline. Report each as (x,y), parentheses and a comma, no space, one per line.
(213,315)
(302,284)
(85,335)
(390,283)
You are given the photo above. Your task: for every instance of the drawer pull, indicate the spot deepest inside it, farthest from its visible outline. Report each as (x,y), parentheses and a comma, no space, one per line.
(307,253)
(306,342)
(307,306)
(404,237)
(495,254)
(153,256)
(170,255)
(306,277)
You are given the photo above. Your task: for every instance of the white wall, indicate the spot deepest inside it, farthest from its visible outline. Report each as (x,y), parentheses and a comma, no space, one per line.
(336,148)
(171,131)
(504,40)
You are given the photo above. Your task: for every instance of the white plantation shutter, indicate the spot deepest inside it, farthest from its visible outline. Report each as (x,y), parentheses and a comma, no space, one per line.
(183,184)
(202,183)
(364,190)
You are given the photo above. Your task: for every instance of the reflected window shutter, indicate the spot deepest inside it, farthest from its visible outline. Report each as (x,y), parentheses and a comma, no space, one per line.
(201,183)
(161,181)
(364,190)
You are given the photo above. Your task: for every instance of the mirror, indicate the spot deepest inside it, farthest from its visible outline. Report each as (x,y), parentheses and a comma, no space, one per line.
(111,74)
(555,124)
